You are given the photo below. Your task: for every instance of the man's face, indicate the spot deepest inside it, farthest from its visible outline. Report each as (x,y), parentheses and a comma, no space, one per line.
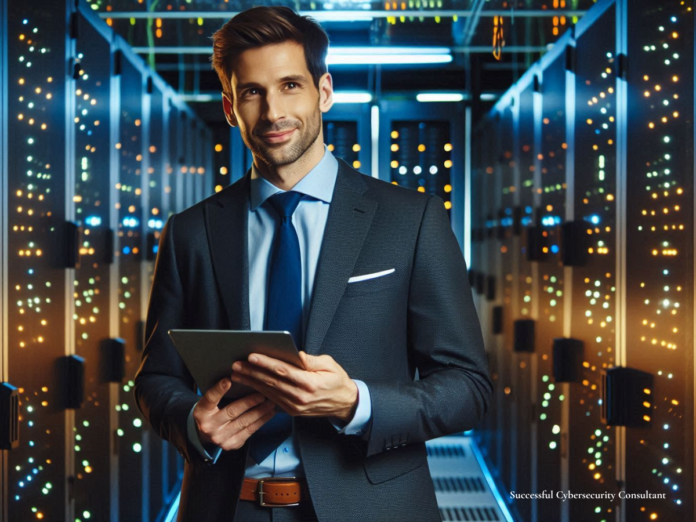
(276,104)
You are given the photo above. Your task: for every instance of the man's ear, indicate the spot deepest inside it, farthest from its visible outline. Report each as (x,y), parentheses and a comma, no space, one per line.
(227,108)
(326,100)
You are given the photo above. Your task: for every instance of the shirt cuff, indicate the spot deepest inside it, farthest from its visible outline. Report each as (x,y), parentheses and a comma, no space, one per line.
(196,441)
(361,418)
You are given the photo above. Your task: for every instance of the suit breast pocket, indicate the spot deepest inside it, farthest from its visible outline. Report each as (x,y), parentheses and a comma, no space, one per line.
(368,286)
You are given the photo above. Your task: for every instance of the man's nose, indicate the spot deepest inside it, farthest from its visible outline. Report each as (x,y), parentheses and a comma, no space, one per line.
(274,108)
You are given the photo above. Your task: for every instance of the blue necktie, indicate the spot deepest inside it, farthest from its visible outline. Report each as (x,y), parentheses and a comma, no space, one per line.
(283,310)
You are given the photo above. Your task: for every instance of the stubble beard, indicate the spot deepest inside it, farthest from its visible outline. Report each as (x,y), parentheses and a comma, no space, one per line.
(286,153)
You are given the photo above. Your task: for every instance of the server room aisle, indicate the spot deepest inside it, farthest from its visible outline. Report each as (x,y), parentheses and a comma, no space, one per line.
(463,485)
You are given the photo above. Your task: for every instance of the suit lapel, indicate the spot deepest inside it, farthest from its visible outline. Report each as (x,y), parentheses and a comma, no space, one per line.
(226,223)
(350,216)
(349,219)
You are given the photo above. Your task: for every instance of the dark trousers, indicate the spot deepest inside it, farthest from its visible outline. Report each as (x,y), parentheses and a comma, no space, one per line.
(248,511)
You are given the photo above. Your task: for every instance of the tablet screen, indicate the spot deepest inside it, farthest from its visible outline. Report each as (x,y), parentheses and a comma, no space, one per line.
(209,354)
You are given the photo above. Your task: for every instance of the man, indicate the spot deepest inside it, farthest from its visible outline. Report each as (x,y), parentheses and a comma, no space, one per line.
(367,276)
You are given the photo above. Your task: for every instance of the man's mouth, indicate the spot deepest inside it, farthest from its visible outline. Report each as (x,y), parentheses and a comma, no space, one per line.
(277,137)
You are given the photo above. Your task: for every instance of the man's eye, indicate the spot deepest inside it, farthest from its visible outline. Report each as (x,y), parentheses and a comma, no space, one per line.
(250,91)
(291,83)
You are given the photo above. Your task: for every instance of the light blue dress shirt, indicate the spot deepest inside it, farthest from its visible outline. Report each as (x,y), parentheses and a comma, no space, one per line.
(309,221)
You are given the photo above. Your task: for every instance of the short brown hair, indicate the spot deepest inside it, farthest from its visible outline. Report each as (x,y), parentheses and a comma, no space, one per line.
(261,26)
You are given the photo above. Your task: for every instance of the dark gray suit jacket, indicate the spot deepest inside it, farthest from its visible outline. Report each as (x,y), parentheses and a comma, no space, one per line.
(421,317)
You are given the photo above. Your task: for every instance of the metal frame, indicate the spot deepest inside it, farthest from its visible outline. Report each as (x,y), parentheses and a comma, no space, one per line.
(621,47)
(568,275)
(350,15)
(482,49)
(4,352)
(114,109)
(69,10)
(467,217)
(145,268)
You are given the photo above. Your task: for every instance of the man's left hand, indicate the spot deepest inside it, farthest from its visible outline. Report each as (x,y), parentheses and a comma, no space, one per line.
(323,389)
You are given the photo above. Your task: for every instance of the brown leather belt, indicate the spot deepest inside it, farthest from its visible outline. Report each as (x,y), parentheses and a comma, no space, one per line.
(274,491)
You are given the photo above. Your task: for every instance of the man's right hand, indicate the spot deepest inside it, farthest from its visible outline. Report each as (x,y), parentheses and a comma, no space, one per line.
(231,426)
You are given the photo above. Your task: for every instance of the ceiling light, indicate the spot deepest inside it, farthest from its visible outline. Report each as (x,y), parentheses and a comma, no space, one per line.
(387,55)
(352,97)
(439,97)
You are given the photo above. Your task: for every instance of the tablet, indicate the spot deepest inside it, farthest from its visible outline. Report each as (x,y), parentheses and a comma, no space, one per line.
(209,354)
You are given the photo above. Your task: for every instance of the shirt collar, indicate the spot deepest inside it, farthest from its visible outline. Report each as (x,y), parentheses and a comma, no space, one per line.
(318,183)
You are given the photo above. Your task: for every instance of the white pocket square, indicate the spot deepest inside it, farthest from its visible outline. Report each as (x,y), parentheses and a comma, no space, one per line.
(365,277)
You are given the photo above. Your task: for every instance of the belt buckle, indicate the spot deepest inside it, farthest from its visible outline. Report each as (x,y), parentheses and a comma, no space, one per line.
(273,479)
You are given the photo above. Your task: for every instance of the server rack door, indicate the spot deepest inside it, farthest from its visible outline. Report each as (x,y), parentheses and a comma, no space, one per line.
(551,282)
(347,134)
(421,146)
(508,284)
(35,270)
(485,256)
(170,455)
(130,255)
(594,304)
(525,297)
(157,465)
(493,168)
(93,202)
(660,255)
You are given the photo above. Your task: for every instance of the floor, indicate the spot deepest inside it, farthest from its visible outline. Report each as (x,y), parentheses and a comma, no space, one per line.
(461,482)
